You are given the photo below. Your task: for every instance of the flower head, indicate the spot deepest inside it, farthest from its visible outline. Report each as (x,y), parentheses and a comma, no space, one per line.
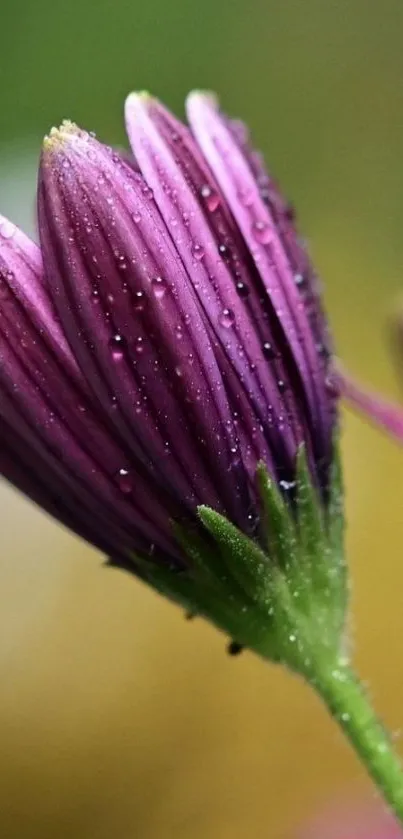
(165,339)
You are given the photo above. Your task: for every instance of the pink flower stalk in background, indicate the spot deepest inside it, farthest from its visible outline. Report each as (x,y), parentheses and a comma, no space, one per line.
(375,407)
(381,411)
(371,821)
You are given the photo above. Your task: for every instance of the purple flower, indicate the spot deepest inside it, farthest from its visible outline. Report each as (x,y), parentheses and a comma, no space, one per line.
(165,338)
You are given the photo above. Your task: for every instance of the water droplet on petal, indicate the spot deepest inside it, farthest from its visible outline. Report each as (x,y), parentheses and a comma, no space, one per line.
(117,345)
(197,251)
(299,280)
(242,289)
(136,216)
(147,192)
(245,196)
(227,318)
(158,287)
(139,301)
(139,346)
(210,197)
(268,350)
(224,251)
(282,385)
(332,386)
(124,481)
(262,232)
(7,229)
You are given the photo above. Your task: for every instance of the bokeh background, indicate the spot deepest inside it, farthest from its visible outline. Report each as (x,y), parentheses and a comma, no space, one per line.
(117,718)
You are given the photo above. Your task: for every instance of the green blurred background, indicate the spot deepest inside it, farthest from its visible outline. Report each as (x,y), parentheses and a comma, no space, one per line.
(118,719)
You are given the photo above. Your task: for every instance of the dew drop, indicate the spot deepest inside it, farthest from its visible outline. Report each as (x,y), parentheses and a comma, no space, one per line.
(147,192)
(331,385)
(299,280)
(242,289)
(282,385)
(7,229)
(268,350)
(224,251)
(287,486)
(117,345)
(261,232)
(158,287)
(245,196)
(136,216)
(110,298)
(95,295)
(197,251)
(124,481)
(210,197)
(227,318)
(139,346)
(139,300)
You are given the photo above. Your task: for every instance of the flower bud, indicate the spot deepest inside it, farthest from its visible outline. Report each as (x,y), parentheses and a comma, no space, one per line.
(165,372)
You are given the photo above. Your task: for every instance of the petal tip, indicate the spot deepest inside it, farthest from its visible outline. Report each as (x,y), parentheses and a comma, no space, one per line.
(207,97)
(137,99)
(57,137)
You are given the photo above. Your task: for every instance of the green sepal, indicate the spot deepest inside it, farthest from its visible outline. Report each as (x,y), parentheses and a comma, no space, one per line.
(245,560)
(281,593)
(309,512)
(277,523)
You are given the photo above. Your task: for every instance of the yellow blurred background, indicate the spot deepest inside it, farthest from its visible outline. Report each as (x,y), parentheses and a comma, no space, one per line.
(117,718)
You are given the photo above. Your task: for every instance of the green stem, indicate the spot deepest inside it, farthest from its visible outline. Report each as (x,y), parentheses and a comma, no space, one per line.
(349,705)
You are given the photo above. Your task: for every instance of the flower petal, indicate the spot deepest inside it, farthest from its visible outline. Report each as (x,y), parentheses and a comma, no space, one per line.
(134,323)
(46,404)
(224,277)
(259,226)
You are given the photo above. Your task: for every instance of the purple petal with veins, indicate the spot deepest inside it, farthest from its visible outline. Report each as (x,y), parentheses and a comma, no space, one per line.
(223,274)
(134,323)
(46,404)
(265,240)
